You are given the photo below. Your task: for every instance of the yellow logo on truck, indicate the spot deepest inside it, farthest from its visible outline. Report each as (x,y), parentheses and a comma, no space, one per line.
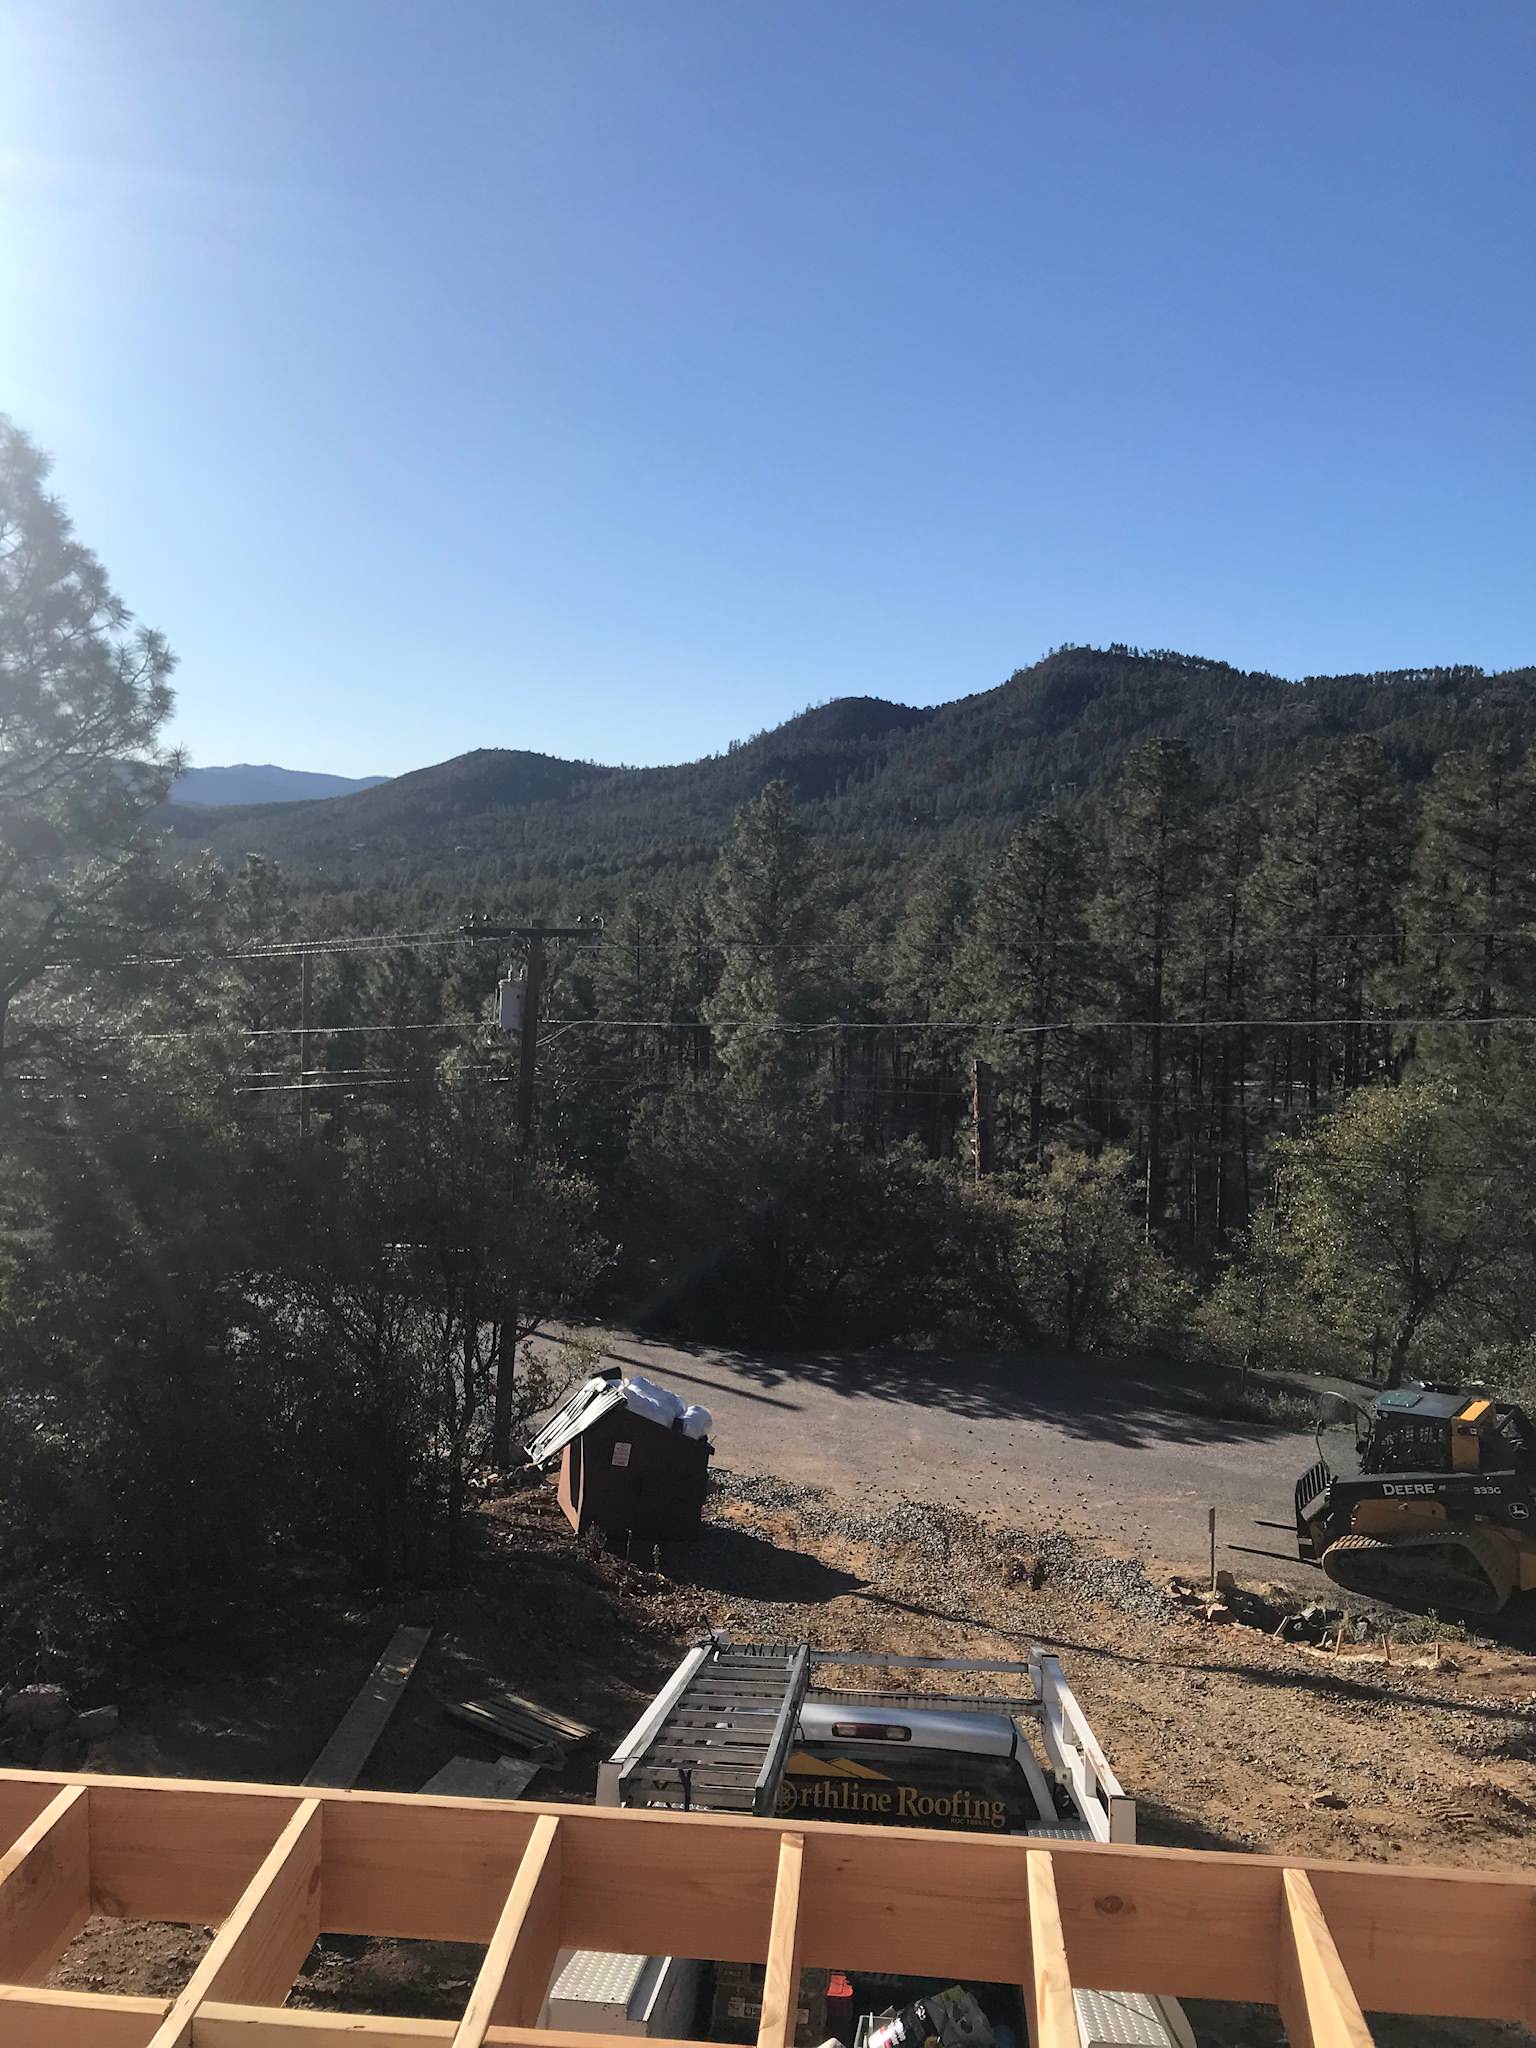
(803,1765)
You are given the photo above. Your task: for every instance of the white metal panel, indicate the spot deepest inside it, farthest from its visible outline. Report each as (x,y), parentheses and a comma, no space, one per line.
(601,1991)
(584,1408)
(599,1976)
(1121,2019)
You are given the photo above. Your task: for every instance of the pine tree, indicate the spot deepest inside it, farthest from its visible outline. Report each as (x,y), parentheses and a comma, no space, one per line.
(925,983)
(1153,873)
(83,698)
(1334,867)
(1035,963)
(1217,984)
(1472,946)
(771,911)
(635,980)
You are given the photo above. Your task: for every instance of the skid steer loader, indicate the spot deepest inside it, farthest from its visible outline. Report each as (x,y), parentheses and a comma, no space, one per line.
(1439,1515)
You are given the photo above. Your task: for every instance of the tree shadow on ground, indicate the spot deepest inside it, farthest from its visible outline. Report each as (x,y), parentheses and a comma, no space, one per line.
(725,1559)
(1130,1403)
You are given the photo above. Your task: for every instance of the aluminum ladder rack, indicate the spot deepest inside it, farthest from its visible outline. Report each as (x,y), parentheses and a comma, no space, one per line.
(718,1733)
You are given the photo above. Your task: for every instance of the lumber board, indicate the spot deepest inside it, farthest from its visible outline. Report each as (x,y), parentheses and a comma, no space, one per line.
(260,1948)
(1313,1991)
(781,1975)
(413,1869)
(465,1777)
(1048,2005)
(1212,1933)
(33,2016)
(45,1888)
(520,1958)
(720,1890)
(240,2026)
(22,1798)
(1452,1944)
(341,1761)
(162,1849)
(494,1726)
(946,1910)
(561,1726)
(235,2026)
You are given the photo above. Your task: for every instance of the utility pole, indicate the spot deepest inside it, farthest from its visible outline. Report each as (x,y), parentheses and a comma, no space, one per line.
(533,937)
(528,1047)
(306,1007)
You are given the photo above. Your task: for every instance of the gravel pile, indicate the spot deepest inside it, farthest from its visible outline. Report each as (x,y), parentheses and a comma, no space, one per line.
(933,1545)
(1119,1582)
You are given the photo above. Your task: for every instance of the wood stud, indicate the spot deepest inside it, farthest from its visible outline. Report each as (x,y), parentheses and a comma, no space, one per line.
(781,1977)
(521,1957)
(1048,2005)
(274,1867)
(1316,2000)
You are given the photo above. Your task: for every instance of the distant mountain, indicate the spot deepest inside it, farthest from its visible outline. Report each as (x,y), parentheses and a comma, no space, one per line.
(883,781)
(247,783)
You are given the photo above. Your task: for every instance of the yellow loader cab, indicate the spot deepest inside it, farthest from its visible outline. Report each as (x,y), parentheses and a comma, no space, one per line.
(1439,1515)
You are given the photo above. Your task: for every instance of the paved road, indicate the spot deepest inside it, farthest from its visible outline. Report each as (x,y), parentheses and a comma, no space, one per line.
(1045,1441)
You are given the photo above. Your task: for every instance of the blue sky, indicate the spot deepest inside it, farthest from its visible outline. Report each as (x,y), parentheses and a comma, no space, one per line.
(616,377)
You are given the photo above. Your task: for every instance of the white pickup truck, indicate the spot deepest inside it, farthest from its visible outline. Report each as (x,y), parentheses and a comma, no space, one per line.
(937,1742)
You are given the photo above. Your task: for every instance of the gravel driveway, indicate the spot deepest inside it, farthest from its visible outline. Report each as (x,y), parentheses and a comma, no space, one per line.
(1092,1448)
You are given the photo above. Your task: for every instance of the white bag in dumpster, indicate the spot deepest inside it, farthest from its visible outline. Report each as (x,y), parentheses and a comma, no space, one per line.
(697,1421)
(657,1404)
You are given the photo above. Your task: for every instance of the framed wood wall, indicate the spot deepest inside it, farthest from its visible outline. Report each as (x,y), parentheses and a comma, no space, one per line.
(272,1868)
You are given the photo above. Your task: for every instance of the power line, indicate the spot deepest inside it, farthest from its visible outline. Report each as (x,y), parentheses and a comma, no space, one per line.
(387,1080)
(294,949)
(989,1025)
(293,1031)
(980,1026)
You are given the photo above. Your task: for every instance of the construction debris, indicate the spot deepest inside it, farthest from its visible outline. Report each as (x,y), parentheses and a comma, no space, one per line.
(1315,1624)
(515,1727)
(561,1727)
(1226,1601)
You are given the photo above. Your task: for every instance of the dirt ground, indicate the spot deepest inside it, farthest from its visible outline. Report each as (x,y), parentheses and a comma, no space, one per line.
(1226,1737)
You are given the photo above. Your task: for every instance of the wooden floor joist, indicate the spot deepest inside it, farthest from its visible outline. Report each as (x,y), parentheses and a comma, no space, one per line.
(272,1868)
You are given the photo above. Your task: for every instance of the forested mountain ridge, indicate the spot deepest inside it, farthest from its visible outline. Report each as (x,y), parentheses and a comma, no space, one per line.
(883,772)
